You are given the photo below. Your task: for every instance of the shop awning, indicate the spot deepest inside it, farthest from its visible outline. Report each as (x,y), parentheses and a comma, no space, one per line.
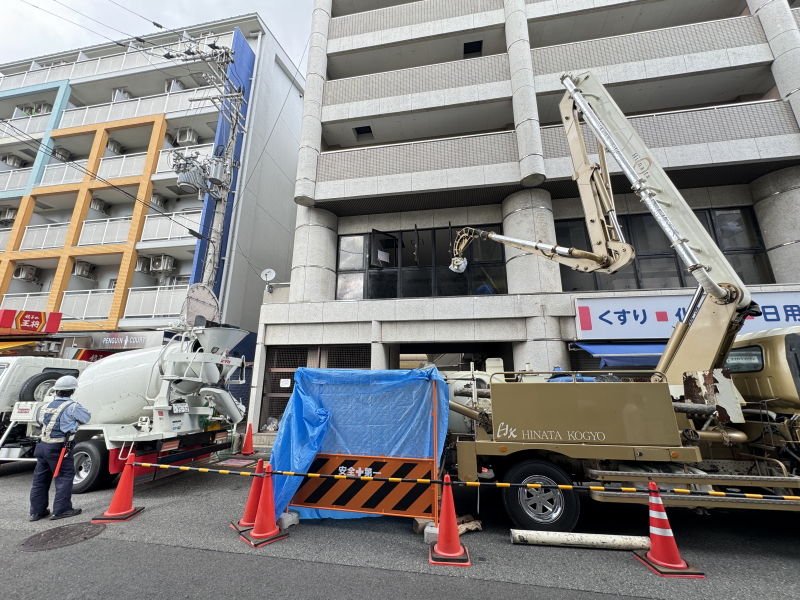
(624,355)
(4,346)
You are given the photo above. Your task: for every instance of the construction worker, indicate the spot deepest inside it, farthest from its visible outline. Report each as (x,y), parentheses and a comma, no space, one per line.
(58,420)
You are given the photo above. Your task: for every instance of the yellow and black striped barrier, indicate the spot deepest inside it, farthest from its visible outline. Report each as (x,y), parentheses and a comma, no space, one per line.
(498,484)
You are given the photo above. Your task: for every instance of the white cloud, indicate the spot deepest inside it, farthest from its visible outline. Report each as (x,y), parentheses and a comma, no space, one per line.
(29,32)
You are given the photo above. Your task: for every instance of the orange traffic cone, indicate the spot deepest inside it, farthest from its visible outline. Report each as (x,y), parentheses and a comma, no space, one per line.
(663,557)
(251,508)
(247,447)
(121,507)
(448,550)
(265,529)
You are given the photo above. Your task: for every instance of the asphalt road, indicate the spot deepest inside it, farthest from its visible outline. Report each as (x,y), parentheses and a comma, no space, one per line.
(181,547)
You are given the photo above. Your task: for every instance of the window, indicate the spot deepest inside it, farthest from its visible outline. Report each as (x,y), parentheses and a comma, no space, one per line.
(749,359)
(473,49)
(363,134)
(656,264)
(415,264)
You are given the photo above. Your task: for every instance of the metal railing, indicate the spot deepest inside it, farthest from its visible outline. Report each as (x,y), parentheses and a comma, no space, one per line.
(33,301)
(136,107)
(5,234)
(60,173)
(105,231)
(151,56)
(39,237)
(14,179)
(170,226)
(86,304)
(205,150)
(126,165)
(151,302)
(29,125)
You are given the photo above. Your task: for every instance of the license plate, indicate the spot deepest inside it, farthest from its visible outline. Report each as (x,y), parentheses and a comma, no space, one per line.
(180,407)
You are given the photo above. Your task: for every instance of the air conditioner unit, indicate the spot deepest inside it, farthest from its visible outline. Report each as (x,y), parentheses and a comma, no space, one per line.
(83,269)
(162,263)
(8,214)
(120,95)
(157,201)
(25,273)
(13,161)
(61,154)
(42,108)
(173,85)
(114,146)
(143,264)
(187,137)
(99,205)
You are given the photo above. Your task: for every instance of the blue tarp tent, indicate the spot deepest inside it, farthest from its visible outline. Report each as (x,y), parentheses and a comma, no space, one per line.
(355,412)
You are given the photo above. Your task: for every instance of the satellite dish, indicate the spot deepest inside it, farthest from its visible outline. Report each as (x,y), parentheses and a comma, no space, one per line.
(267,275)
(201,301)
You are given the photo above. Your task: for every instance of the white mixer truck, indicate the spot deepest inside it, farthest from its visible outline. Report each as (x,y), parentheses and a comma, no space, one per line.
(166,404)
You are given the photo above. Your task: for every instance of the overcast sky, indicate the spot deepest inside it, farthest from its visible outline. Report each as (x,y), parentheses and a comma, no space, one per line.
(30,32)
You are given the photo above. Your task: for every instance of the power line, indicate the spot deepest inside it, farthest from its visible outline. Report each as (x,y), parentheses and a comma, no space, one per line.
(138,15)
(74,23)
(138,39)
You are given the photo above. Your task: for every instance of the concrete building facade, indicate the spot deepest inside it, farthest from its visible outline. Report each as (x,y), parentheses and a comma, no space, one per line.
(423,117)
(92,223)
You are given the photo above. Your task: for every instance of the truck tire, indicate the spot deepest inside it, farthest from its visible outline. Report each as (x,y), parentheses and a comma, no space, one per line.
(540,509)
(91,466)
(35,388)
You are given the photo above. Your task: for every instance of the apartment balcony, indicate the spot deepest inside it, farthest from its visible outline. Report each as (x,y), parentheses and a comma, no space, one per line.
(148,58)
(138,107)
(14,179)
(36,301)
(697,60)
(163,166)
(13,129)
(154,302)
(5,234)
(433,165)
(41,237)
(60,173)
(126,165)
(738,133)
(81,305)
(97,232)
(170,226)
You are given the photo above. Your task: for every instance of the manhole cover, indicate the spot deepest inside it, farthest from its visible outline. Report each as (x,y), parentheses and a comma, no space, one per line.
(59,537)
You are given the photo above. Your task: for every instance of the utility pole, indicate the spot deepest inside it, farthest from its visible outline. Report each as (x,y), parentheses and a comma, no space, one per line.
(214,175)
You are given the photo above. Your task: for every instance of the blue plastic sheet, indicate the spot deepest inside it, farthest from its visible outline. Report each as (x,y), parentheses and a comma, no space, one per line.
(369,413)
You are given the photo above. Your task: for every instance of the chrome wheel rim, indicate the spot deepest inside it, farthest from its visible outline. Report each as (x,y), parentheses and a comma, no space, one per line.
(541,505)
(83,466)
(41,390)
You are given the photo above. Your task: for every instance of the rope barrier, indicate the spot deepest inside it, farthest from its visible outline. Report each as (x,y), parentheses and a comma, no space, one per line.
(498,484)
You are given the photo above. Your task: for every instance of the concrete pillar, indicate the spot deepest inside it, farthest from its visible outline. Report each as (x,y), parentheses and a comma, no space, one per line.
(314,256)
(526,113)
(528,215)
(257,379)
(777,198)
(543,349)
(311,132)
(783,36)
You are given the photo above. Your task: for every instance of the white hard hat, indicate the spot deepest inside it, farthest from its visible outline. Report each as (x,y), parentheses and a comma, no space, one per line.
(67,382)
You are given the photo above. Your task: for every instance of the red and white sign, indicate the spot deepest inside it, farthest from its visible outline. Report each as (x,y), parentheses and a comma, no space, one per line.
(27,321)
(653,317)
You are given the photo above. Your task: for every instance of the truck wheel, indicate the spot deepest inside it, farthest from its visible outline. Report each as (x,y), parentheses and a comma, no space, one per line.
(91,466)
(540,509)
(35,388)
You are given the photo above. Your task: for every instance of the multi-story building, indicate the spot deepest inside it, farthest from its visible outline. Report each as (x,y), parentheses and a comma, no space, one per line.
(94,224)
(423,117)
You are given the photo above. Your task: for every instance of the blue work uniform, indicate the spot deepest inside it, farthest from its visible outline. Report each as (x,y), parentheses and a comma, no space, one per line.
(60,418)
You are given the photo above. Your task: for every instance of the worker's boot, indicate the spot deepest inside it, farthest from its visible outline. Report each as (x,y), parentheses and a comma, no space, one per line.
(72,512)
(37,516)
